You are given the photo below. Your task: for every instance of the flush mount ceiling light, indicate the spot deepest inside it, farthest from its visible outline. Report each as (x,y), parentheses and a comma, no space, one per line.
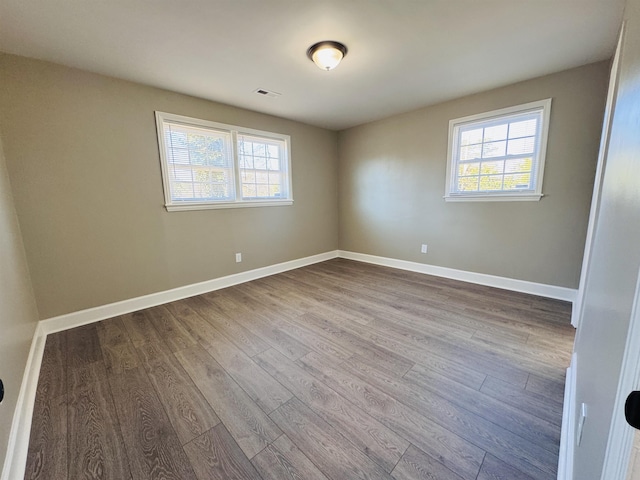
(327,54)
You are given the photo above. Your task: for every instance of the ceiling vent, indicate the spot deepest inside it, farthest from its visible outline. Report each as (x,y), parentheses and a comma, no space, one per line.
(267,93)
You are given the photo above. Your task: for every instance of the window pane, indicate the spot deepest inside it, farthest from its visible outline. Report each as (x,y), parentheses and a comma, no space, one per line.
(274,190)
(248,191)
(181,174)
(202,190)
(526,128)
(199,162)
(178,156)
(177,139)
(245,161)
(468,169)
(518,165)
(274,178)
(259,149)
(499,132)
(470,153)
(489,168)
(273,151)
(273,163)
(248,176)
(468,184)
(245,148)
(202,175)
(260,163)
(262,177)
(519,181)
(521,146)
(498,151)
(494,149)
(471,136)
(182,190)
(264,160)
(491,182)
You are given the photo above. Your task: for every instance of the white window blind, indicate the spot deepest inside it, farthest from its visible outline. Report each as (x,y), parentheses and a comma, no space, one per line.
(213,165)
(200,163)
(498,155)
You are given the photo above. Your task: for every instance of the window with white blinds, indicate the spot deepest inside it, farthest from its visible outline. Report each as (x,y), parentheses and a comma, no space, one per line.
(498,155)
(213,165)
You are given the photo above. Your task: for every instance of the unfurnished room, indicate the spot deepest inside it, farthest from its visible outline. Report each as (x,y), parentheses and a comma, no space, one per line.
(332,240)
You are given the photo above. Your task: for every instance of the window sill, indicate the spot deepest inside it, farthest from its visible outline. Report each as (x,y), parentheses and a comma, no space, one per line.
(493,197)
(215,206)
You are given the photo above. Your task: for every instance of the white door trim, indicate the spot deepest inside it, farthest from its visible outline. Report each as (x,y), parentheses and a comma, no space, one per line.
(576,313)
(620,441)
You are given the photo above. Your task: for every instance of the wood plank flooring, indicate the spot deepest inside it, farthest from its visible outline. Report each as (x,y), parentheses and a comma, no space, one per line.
(340,370)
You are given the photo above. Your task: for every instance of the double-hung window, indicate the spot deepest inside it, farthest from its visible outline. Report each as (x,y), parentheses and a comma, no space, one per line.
(214,165)
(498,155)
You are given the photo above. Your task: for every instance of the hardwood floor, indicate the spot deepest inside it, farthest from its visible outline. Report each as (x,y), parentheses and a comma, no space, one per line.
(340,370)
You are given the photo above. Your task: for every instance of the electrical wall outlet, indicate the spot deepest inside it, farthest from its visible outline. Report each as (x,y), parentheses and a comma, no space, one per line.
(238,257)
(423,249)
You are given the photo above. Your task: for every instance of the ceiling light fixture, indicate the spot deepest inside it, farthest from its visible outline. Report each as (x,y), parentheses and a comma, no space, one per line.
(327,54)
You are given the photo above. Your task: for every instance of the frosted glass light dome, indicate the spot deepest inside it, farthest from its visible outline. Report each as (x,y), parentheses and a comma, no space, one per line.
(327,54)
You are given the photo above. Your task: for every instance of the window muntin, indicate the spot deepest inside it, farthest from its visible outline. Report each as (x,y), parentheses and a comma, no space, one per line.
(262,164)
(213,165)
(498,155)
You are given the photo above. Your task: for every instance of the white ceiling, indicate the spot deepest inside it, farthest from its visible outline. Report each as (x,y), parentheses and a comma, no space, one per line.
(403,54)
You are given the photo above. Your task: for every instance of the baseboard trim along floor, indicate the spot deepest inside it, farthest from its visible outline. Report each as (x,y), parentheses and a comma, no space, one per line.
(19,438)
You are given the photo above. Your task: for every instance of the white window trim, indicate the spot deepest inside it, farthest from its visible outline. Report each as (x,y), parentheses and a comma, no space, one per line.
(452,196)
(235,130)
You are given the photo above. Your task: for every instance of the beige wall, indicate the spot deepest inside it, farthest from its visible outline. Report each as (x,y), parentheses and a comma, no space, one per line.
(392,179)
(615,261)
(82,155)
(18,314)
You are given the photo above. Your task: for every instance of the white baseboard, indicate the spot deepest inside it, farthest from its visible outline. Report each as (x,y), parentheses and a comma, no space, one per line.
(16,457)
(568,432)
(17,448)
(541,289)
(90,315)
(19,438)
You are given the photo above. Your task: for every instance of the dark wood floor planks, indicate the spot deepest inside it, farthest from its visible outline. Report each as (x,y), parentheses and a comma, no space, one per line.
(47,455)
(216,456)
(417,465)
(456,453)
(333,453)
(117,350)
(429,386)
(282,460)
(469,425)
(48,452)
(263,389)
(95,446)
(187,409)
(337,370)
(152,445)
(247,423)
(379,442)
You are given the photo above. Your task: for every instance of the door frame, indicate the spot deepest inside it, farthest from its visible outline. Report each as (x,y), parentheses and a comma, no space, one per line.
(620,441)
(612,93)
